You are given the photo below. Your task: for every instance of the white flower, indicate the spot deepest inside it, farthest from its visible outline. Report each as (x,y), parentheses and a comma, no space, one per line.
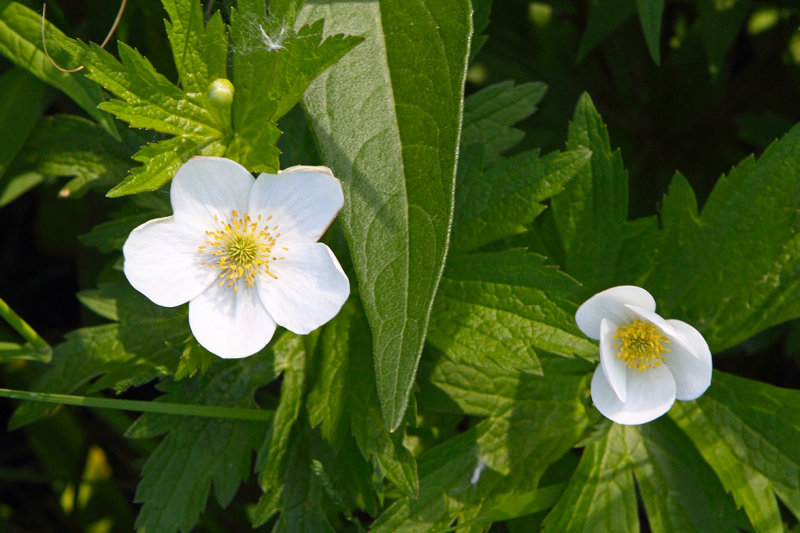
(243,253)
(646,362)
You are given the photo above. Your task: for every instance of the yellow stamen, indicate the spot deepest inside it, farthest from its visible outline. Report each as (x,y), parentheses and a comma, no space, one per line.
(241,248)
(641,345)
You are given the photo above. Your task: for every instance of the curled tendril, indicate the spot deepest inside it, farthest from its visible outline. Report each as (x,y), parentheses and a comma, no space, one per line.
(105,41)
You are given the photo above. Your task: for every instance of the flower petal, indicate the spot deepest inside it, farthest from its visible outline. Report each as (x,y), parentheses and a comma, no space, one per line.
(651,393)
(614,368)
(302,201)
(228,324)
(161,262)
(309,290)
(208,186)
(610,304)
(689,360)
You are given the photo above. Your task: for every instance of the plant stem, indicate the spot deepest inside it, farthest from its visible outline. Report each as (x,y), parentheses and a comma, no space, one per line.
(22,327)
(212,411)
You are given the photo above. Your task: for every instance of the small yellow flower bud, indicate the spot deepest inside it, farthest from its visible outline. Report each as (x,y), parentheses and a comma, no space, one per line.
(220,92)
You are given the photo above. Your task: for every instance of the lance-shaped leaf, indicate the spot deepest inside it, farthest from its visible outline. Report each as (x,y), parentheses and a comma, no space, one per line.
(387,118)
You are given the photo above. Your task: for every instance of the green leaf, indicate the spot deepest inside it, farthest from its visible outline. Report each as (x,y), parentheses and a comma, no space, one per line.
(488,117)
(719,23)
(505,199)
(731,270)
(650,12)
(21,42)
(601,247)
(302,505)
(600,495)
(146,99)
(344,400)
(20,103)
(534,421)
(749,432)
(679,489)
(200,52)
(503,307)
(387,117)
(276,444)
(605,16)
(133,351)
(66,145)
(198,452)
(272,68)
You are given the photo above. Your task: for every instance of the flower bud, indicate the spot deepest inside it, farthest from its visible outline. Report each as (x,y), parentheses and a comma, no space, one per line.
(220,92)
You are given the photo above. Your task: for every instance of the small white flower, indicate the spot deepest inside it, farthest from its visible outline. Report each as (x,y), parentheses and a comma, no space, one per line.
(243,253)
(646,362)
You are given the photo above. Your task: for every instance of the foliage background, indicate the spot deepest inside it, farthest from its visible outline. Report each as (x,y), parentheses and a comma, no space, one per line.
(724,86)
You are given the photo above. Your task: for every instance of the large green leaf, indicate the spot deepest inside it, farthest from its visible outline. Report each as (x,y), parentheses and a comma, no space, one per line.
(503,307)
(749,433)
(650,12)
(731,270)
(387,118)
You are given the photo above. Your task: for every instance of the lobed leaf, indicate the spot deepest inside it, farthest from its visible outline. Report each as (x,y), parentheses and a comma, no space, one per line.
(503,307)
(200,51)
(199,452)
(731,270)
(534,421)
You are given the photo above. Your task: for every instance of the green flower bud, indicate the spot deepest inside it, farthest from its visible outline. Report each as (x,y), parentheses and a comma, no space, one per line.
(220,92)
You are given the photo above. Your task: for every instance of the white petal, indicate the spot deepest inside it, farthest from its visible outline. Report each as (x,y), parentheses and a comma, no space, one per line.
(208,186)
(613,367)
(610,304)
(161,262)
(301,200)
(650,394)
(309,290)
(228,324)
(689,360)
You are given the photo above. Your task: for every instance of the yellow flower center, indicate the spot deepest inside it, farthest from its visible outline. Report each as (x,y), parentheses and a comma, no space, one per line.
(242,248)
(641,345)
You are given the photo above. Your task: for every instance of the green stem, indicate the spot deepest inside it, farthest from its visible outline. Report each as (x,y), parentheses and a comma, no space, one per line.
(185,409)
(22,327)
